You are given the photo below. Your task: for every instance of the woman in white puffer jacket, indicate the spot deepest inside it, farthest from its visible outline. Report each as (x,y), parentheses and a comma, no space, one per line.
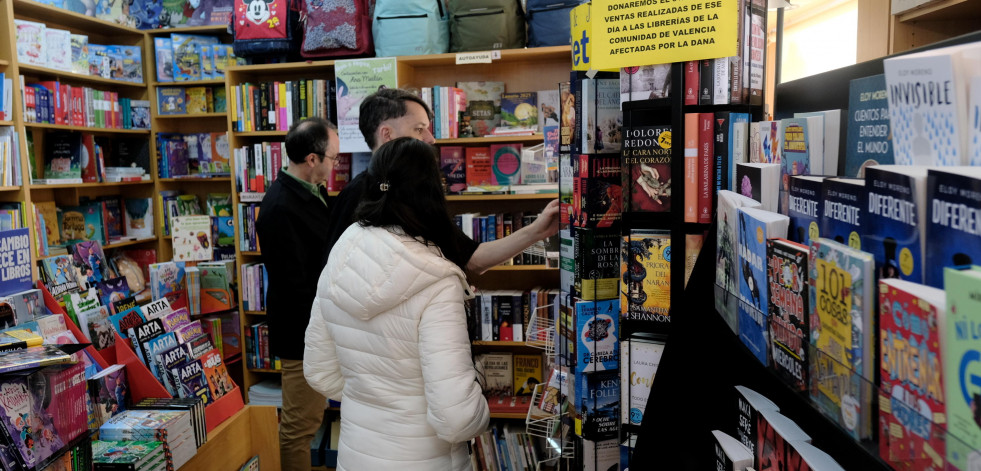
(388,330)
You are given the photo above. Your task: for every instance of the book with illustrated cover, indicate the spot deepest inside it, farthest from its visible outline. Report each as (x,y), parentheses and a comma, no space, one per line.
(645,275)
(600,405)
(843,328)
(454,167)
(59,272)
(85,223)
(727,266)
(192,238)
(80,54)
(755,226)
(63,155)
(58,46)
(597,330)
(112,290)
(527,373)
(15,274)
(30,43)
(648,82)
(171,100)
(191,380)
(567,115)
(134,455)
(175,319)
(154,346)
(646,165)
(109,393)
(217,292)
(95,325)
(197,346)
(196,100)
(167,277)
(25,425)
(519,110)
(34,357)
(498,373)
(483,105)
(912,327)
(789,310)
(506,164)
(552,393)
(960,353)
(126,320)
(189,331)
(138,217)
(640,360)
(163,52)
(28,305)
(140,334)
(90,261)
(169,360)
(219,383)
(126,63)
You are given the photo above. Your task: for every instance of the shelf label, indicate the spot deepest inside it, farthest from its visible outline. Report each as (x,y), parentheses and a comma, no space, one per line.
(484,57)
(630,32)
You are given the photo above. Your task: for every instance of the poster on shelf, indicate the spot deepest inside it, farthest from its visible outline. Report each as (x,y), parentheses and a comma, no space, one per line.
(356,79)
(15,261)
(627,33)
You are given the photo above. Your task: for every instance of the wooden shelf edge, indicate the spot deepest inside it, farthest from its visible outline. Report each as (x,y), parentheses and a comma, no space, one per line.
(10,188)
(490,139)
(79,77)
(196,179)
(285,67)
(4,122)
(189,29)
(259,133)
(251,253)
(193,115)
(190,83)
(264,370)
(508,415)
(254,313)
(126,243)
(528,196)
(86,129)
(4,62)
(36,186)
(507,55)
(499,343)
(70,18)
(523,268)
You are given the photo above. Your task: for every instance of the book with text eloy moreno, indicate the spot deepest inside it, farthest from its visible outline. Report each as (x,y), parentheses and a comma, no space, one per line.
(928,102)
(960,366)
(869,140)
(953,236)
(843,330)
(755,226)
(895,220)
(844,210)
(912,328)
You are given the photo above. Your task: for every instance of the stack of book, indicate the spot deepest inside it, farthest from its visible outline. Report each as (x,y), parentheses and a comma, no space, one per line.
(172,428)
(130,455)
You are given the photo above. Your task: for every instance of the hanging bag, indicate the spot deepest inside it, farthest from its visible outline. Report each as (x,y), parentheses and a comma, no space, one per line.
(548,22)
(410,27)
(481,25)
(336,28)
(264,28)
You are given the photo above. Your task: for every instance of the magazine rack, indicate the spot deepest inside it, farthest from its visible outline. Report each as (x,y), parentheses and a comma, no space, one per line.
(541,331)
(547,426)
(142,383)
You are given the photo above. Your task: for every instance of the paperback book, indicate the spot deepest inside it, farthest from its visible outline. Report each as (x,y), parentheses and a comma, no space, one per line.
(646,166)
(755,227)
(645,288)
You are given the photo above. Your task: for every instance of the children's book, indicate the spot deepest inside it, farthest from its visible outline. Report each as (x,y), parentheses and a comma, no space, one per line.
(90,261)
(163,51)
(952,237)
(192,380)
(126,63)
(167,277)
(845,207)
(192,238)
(27,427)
(58,45)
(960,353)
(28,305)
(135,455)
(169,360)
(124,304)
(126,320)
(789,310)
(60,275)
(140,334)
(175,319)
(519,110)
(219,383)
(80,54)
(755,226)
(109,393)
(189,331)
(154,346)
(138,217)
(112,290)
(30,43)
(34,357)
(171,100)
(843,331)
(84,223)
(63,156)
(97,327)
(912,328)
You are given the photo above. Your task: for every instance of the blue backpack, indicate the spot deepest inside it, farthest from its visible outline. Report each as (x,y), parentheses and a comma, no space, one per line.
(410,27)
(548,21)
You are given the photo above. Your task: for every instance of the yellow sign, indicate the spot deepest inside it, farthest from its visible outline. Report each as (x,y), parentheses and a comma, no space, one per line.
(640,32)
(582,53)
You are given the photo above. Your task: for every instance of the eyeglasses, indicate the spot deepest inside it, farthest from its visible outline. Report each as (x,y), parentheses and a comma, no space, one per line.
(333,158)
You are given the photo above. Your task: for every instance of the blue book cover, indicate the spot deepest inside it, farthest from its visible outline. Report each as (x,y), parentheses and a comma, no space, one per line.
(868,140)
(163,52)
(953,235)
(894,224)
(15,265)
(802,141)
(600,405)
(597,329)
(126,320)
(738,143)
(844,210)
(755,226)
(155,346)
(192,381)
(805,208)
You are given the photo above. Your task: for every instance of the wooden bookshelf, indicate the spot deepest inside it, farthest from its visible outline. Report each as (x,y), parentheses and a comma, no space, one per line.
(509,415)
(69,19)
(933,22)
(533,196)
(63,127)
(534,138)
(207,29)
(84,79)
(127,243)
(10,188)
(196,180)
(38,186)
(4,122)
(193,116)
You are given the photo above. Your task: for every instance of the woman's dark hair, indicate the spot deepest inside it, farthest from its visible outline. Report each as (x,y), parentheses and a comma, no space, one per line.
(404,189)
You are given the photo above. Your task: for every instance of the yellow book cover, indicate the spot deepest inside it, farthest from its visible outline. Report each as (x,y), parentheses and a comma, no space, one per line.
(645,272)
(527,373)
(197,100)
(49,213)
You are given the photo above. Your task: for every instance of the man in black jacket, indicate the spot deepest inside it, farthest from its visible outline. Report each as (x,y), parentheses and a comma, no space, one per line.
(292,218)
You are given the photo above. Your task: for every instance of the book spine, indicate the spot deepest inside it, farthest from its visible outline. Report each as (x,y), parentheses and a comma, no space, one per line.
(706,79)
(705,166)
(691,167)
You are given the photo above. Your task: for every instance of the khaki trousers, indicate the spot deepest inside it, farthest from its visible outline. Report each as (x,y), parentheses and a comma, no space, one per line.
(303,411)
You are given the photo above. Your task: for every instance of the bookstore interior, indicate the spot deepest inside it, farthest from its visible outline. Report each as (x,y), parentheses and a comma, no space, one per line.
(138,139)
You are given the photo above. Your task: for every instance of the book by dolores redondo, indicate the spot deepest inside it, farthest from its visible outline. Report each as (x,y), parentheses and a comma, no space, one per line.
(647,168)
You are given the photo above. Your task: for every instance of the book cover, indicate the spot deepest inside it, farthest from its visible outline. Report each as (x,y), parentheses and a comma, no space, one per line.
(498,372)
(479,166)
(637,370)
(58,47)
(599,192)
(931,128)
(775,432)
(169,360)
(454,167)
(85,223)
(552,393)
(175,319)
(171,100)
(187,56)
(30,42)
(33,357)
(597,330)
(80,54)
(154,346)
(167,277)
(738,146)
(15,266)
(192,381)
(844,210)
(803,151)
(519,110)
(645,266)
(28,428)
(805,208)
(95,324)
(196,100)
(911,398)
(138,217)
(156,308)
(789,310)
(139,454)
(126,320)
(112,290)
(192,238)
(483,105)
(842,329)
(869,134)
(140,334)
(727,235)
(567,116)
(647,82)
(608,123)
(759,181)
(646,169)
(126,63)
(219,383)
(596,255)
(60,273)
(28,305)
(108,391)
(163,53)
(189,331)
(731,454)
(749,405)
(599,405)
(765,142)
(506,164)
(217,286)
(527,373)
(755,227)
(961,352)
(63,155)
(952,235)
(895,224)
(90,261)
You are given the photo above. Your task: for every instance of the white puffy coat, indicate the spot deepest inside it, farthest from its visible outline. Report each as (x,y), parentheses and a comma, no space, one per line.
(388,338)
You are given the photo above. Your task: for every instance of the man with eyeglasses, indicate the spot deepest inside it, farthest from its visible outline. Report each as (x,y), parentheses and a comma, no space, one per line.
(290,227)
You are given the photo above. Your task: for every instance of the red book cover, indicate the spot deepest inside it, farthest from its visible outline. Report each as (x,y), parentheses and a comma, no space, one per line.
(706,138)
(340,175)
(219,383)
(911,396)
(691,83)
(479,166)
(600,192)
(691,167)
(89,171)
